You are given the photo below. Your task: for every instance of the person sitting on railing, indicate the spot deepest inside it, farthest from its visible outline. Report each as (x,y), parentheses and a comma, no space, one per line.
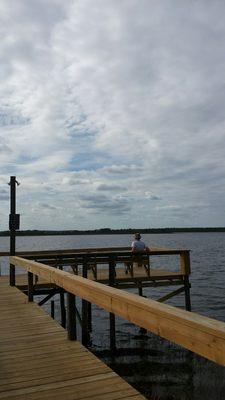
(138,246)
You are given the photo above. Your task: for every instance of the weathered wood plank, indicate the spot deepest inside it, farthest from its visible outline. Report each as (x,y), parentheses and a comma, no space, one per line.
(78,391)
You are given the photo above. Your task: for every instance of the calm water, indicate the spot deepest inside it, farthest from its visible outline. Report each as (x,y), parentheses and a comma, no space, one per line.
(157,368)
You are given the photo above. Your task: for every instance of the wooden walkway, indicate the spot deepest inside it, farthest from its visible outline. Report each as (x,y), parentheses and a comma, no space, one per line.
(37,361)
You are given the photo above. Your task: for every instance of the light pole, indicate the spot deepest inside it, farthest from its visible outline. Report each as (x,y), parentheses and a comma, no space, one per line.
(14,224)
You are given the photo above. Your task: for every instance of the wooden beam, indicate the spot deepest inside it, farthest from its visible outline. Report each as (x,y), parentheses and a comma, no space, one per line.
(171,294)
(197,333)
(185,265)
(38,253)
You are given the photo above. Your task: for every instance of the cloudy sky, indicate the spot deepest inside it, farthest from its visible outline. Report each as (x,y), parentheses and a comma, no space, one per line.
(112,112)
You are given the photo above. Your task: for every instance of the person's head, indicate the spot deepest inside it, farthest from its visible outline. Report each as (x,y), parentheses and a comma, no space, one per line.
(137,236)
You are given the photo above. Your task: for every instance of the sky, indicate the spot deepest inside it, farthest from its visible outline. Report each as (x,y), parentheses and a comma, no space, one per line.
(112,113)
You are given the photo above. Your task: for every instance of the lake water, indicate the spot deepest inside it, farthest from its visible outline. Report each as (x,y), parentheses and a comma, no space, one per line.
(156,367)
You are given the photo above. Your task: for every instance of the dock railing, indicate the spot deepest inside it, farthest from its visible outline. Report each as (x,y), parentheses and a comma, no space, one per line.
(202,335)
(96,263)
(120,252)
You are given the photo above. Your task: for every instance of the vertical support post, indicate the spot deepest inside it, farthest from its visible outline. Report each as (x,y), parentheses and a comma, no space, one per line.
(187,293)
(89,317)
(185,269)
(140,292)
(85,333)
(30,286)
(63,309)
(71,317)
(140,289)
(52,309)
(112,320)
(62,300)
(12,185)
(185,264)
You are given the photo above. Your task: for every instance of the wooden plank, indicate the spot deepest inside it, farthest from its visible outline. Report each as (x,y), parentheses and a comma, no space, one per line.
(38,362)
(200,334)
(52,377)
(79,390)
(92,250)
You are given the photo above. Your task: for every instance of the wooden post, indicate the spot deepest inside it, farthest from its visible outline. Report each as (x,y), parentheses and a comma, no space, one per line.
(63,309)
(89,317)
(52,309)
(187,293)
(185,265)
(85,333)
(140,289)
(71,317)
(185,269)
(30,286)
(143,331)
(112,320)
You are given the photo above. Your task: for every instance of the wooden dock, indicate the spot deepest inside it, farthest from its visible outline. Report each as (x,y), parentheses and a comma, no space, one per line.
(37,361)
(115,266)
(202,335)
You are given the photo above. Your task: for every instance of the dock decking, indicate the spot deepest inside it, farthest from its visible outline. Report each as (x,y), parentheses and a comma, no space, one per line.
(37,361)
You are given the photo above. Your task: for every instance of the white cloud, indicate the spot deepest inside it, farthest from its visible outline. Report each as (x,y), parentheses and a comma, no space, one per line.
(125,96)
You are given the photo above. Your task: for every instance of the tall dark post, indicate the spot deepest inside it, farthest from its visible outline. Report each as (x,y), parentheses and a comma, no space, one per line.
(112,321)
(85,322)
(52,309)
(140,292)
(30,286)
(71,316)
(187,293)
(185,268)
(13,225)
(63,309)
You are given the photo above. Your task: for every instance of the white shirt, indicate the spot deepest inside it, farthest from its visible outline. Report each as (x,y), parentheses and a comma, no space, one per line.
(138,245)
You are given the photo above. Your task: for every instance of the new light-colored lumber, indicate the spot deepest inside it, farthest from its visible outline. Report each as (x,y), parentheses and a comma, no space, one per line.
(200,334)
(39,362)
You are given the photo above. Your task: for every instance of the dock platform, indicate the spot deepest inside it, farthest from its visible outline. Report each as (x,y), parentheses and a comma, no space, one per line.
(115,266)
(39,362)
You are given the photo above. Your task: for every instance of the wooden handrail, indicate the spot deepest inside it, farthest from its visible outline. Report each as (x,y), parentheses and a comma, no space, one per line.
(62,255)
(153,251)
(202,335)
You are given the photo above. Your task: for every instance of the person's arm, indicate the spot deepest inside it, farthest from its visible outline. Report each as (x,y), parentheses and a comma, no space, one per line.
(133,248)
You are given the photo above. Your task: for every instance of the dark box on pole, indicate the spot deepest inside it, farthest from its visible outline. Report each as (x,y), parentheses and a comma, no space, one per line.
(14,222)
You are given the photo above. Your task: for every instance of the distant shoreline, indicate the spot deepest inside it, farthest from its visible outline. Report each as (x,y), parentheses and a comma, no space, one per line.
(108,231)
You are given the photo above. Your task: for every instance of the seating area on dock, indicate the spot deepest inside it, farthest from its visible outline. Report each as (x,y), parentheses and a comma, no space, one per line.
(116,266)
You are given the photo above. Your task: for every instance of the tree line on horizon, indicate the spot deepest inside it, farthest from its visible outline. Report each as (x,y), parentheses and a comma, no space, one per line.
(105,231)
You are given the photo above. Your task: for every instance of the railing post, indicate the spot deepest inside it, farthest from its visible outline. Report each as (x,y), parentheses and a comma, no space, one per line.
(85,333)
(30,286)
(71,316)
(52,309)
(143,331)
(185,265)
(112,320)
(63,309)
(89,317)
(185,269)
(62,298)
